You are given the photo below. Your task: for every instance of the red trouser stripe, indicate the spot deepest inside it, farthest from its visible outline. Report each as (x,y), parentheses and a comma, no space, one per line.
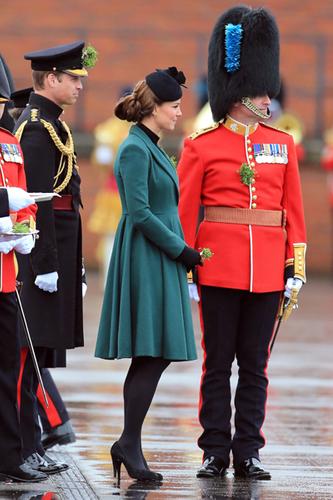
(203,370)
(24,353)
(51,411)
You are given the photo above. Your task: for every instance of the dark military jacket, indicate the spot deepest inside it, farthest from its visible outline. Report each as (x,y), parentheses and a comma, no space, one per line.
(55,319)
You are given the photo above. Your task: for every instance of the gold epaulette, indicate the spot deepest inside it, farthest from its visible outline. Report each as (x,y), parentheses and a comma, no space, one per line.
(264,124)
(202,131)
(34,115)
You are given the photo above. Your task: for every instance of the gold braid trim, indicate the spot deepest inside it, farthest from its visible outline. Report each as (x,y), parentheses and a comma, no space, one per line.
(65,150)
(19,131)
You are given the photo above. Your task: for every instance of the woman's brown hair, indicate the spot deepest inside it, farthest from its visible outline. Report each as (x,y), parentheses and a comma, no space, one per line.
(135,106)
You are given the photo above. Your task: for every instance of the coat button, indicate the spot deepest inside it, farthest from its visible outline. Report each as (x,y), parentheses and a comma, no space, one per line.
(254,205)
(254,197)
(250,157)
(253,189)
(249,149)
(248,141)
(253,164)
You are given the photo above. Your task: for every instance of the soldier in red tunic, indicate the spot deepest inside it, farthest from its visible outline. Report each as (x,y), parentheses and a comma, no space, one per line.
(245,174)
(15,204)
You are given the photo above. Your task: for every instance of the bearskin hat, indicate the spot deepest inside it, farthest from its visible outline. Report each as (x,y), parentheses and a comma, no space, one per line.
(243,59)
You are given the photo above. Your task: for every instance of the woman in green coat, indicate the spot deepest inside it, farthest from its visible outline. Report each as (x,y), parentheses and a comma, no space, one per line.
(146,311)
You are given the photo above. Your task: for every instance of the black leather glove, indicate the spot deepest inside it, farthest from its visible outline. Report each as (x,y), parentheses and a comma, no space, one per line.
(190,258)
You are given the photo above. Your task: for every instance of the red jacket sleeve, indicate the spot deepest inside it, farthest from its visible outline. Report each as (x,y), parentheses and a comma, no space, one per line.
(191,174)
(293,204)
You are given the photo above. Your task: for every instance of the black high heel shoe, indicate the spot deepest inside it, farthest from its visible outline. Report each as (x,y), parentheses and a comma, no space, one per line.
(118,458)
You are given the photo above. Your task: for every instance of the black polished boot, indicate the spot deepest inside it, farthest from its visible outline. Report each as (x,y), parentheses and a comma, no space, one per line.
(22,474)
(118,457)
(62,434)
(251,469)
(212,467)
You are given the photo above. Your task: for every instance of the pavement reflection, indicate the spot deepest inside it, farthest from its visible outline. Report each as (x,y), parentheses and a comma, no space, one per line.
(298,427)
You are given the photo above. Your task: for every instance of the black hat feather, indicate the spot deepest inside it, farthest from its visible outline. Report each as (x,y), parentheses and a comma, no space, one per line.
(255,54)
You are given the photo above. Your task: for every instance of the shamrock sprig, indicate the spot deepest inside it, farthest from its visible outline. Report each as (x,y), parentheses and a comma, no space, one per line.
(206,254)
(247,174)
(173,161)
(89,56)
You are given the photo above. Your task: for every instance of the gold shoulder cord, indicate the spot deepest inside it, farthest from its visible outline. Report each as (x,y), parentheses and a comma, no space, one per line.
(65,150)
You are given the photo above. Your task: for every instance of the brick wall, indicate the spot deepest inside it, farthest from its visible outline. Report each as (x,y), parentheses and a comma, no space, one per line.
(134,37)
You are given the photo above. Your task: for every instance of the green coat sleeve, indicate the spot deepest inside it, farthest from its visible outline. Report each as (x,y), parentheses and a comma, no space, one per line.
(134,164)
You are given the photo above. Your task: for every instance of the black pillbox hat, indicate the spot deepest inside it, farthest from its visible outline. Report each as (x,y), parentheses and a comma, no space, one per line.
(66,58)
(166,83)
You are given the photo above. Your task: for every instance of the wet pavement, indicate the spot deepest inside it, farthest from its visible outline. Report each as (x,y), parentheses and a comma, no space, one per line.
(298,426)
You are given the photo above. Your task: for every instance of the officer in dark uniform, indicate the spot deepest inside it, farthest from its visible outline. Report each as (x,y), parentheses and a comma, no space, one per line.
(245,174)
(52,291)
(16,202)
(54,418)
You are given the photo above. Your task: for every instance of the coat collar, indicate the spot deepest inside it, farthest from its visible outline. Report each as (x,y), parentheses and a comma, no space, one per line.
(238,127)
(160,156)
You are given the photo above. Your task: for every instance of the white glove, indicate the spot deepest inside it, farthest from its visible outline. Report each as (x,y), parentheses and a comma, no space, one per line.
(84,289)
(47,282)
(18,198)
(292,283)
(6,224)
(25,244)
(193,292)
(6,246)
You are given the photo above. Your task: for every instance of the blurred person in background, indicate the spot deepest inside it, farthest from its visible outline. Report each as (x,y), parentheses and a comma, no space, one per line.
(105,216)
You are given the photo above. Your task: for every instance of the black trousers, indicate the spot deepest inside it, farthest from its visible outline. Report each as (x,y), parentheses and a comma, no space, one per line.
(10,441)
(55,414)
(237,324)
(27,390)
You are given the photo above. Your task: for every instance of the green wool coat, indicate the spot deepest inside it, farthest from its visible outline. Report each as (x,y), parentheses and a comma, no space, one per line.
(146,308)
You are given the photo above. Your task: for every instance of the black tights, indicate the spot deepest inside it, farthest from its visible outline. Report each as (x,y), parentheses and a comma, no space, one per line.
(139,389)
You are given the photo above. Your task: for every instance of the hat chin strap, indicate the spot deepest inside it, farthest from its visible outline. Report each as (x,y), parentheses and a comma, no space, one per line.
(252,107)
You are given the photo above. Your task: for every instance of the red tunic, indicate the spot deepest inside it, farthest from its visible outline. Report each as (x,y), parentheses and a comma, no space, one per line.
(246,257)
(12,175)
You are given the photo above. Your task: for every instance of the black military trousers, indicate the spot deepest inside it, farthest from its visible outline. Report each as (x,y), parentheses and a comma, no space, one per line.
(10,441)
(28,384)
(55,414)
(237,324)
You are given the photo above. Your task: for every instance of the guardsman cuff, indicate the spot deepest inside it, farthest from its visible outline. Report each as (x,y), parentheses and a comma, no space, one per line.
(299,261)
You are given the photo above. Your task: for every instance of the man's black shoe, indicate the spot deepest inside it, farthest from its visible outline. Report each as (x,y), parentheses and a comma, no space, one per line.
(45,464)
(251,469)
(63,434)
(212,467)
(22,474)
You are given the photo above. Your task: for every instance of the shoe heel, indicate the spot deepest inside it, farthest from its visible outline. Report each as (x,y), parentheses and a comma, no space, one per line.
(116,462)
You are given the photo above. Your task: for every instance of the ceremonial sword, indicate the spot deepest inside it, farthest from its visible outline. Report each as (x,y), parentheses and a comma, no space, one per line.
(31,347)
(286,308)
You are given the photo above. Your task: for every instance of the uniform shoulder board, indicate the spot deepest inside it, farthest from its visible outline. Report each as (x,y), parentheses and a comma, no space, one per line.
(34,115)
(274,128)
(204,130)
